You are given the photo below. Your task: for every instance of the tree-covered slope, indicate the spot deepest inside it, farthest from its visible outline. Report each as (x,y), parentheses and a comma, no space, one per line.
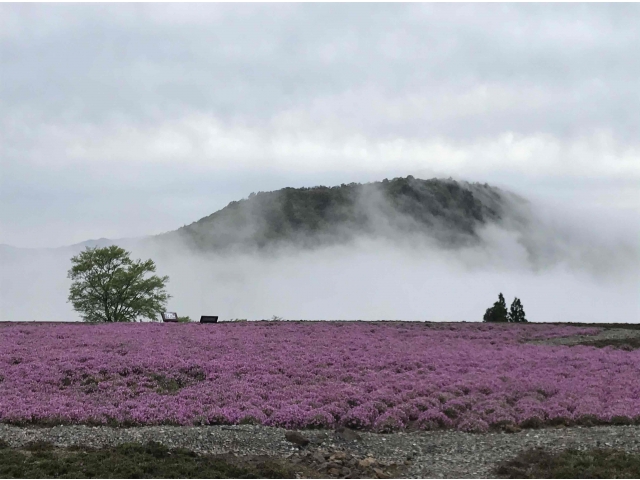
(446,210)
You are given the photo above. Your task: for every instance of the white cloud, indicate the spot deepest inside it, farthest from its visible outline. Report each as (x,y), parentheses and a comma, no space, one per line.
(208,143)
(520,94)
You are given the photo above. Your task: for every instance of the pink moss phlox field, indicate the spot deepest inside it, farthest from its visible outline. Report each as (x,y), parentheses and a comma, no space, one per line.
(378,376)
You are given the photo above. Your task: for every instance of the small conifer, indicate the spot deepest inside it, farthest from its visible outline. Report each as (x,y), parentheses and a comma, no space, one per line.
(497,313)
(516,313)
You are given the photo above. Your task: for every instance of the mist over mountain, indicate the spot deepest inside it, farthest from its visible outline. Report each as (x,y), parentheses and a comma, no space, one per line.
(441,214)
(446,211)
(402,248)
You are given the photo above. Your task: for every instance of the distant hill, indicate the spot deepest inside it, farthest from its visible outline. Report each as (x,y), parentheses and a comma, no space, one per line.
(446,210)
(76,247)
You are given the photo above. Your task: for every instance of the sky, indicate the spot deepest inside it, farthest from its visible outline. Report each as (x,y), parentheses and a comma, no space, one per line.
(123,120)
(126,120)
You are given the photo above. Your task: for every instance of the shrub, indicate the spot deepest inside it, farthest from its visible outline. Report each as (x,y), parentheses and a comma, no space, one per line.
(570,463)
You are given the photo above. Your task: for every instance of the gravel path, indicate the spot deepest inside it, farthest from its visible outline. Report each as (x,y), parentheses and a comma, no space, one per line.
(447,454)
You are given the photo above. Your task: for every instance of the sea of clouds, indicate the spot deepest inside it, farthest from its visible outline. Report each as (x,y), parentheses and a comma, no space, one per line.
(565,264)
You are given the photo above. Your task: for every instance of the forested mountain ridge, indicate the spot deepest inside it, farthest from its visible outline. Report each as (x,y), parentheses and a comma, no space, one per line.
(447,210)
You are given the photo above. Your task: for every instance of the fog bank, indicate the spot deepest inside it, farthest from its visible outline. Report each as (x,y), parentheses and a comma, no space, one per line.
(563,264)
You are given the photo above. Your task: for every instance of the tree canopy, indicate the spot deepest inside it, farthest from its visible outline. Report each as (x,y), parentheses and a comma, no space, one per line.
(516,313)
(497,313)
(107,286)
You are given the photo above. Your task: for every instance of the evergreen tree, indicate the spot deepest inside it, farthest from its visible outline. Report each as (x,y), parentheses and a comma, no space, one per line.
(497,313)
(516,314)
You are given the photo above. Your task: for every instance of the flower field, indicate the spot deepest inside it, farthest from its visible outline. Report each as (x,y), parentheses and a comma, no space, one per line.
(367,375)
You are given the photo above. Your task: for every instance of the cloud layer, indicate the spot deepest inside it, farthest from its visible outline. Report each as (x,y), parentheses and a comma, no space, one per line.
(122,120)
(565,267)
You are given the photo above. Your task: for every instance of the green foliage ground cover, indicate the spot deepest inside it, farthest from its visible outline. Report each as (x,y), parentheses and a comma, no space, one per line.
(595,463)
(152,460)
(606,326)
(628,344)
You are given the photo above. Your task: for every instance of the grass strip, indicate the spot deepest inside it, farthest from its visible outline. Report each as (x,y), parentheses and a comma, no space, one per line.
(151,460)
(571,463)
(627,344)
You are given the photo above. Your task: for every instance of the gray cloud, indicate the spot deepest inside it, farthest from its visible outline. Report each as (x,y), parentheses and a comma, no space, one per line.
(92,63)
(179,108)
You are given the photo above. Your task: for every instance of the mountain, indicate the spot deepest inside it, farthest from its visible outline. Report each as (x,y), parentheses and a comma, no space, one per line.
(446,210)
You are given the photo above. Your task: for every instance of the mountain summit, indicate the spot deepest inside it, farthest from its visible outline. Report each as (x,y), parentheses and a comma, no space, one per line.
(446,210)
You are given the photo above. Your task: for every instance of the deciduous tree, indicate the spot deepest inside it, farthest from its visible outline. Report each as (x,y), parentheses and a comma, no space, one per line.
(107,286)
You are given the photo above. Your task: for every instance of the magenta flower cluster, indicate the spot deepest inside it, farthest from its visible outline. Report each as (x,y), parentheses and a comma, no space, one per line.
(367,375)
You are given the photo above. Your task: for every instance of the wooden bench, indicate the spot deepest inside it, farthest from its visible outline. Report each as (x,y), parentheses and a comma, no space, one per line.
(209,319)
(169,317)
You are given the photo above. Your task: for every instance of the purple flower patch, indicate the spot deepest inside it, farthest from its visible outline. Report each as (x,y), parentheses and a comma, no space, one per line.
(381,377)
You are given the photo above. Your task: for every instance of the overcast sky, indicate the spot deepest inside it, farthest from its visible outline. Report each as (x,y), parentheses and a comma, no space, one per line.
(120,120)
